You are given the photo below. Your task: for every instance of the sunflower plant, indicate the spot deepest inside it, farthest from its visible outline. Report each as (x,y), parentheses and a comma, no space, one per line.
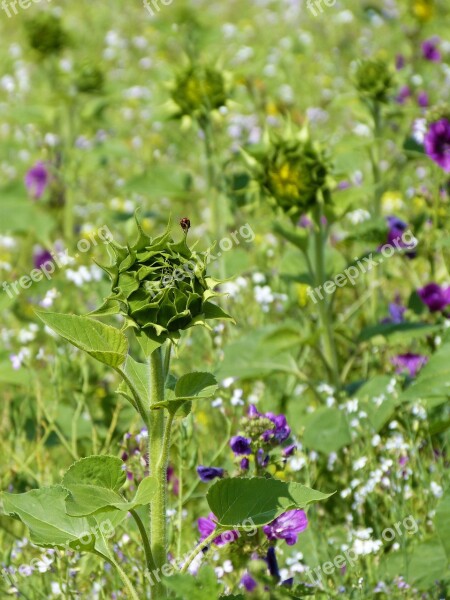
(159,288)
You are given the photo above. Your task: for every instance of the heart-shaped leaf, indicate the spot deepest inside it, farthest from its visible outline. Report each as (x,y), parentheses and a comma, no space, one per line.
(189,387)
(43,511)
(103,342)
(94,483)
(236,500)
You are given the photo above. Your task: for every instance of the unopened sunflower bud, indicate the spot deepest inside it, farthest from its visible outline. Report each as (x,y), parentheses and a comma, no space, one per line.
(293,172)
(161,286)
(89,79)
(46,34)
(199,90)
(374,79)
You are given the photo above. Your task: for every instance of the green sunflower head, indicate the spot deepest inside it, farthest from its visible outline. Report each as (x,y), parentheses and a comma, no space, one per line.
(199,90)
(374,79)
(293,171)
(46,34)
(161,286)
(89,78)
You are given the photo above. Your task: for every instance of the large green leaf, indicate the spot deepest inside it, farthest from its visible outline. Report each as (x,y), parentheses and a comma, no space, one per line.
(236,500)
(94,484)
(196,385)
(189,387)
(398,332)
(261,353)
(427,564)
(103,342)
(433,380)
(43,511)
(326,430)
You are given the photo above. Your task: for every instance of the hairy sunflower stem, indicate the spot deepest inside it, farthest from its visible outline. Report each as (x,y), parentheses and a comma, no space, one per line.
(158,522)
(328,340)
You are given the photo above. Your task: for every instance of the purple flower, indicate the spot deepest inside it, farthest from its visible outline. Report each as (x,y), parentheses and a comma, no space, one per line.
(280,432)
(272,562)
(289,450)
(248,582)
(206,526)
(36,180)
(287,526)
(396,311)
(399,62)
(410,363)
(435,297)
(241,445)
(41,256)
(437,143)
(262,459)
(253,412)
(430,50)
(245,464)
(422,99)
(207,474)
(397,228)
(403,94)
(344,185)
(305,222)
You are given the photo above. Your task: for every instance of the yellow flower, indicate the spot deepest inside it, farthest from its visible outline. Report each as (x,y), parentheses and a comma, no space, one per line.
(423,10)
(202,417)
(392,201)
(418,203)
(302,294)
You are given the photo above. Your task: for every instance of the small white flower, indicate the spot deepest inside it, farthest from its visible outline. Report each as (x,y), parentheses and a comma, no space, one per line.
(360,463)
(376,440)
(226,383)
(362,130)
(436,490)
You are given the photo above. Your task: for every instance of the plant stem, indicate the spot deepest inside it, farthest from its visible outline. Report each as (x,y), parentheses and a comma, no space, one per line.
(123,576)
(375,158)
(148,551)
(158,524)
(328,341)
(198,549)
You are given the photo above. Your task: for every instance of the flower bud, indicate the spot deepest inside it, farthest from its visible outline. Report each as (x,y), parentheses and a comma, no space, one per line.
(199,90)
(293,173)
(46,34)
(161,286)
(374,79)
(89,79)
